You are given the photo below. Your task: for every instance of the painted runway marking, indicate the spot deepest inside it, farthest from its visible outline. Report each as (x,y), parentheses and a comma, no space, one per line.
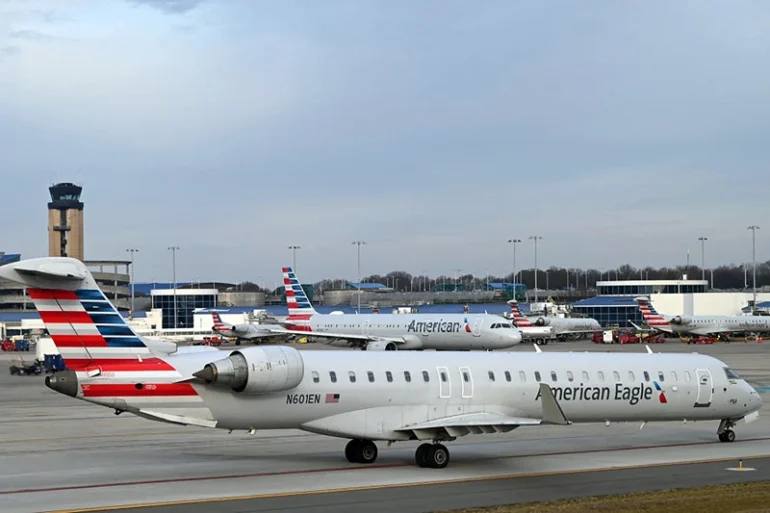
(389,486)
(353,468)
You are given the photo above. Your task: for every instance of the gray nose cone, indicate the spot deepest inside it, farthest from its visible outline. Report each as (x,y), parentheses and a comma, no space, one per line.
(64,382)
(207,374)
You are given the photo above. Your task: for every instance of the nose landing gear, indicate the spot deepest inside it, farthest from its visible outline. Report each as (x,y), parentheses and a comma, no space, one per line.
(725,432)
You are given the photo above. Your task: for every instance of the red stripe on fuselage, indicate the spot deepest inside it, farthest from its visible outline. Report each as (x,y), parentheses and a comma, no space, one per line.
(49,317)
(147,390)
(120,364)
(51,294)
(79,340)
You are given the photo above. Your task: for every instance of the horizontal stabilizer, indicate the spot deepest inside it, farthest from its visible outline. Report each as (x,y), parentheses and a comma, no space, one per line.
(57,270)
(176,419)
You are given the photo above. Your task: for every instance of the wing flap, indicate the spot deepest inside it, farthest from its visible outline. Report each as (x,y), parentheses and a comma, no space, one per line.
(176,419)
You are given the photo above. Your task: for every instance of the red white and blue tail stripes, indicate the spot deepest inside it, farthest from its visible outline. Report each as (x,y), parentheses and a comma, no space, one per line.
(650,316)
(300,309)
(518,318)
(219,326)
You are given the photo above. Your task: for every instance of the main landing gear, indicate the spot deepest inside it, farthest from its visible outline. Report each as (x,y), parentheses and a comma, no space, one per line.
(725,432)
(427,455)
(432,456)
(361,451)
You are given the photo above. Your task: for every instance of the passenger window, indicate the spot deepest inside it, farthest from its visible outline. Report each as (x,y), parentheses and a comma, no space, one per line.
(407,376)
(316,377)
(537,375)
(425,376)
(352,376)
(333,376)
(570,377)
(371,376)
(507,376)
(491,376)
(661,377)
(631,376)
(553,376)
(443,376)
(585,376)
(601,376)
(389,376)
(522,376)
(673,376)
(466,377)
(686,376)
(616,375)
(646,376)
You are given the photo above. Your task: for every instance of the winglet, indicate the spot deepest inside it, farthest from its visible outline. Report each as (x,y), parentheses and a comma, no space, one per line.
(552,412)
(537,348)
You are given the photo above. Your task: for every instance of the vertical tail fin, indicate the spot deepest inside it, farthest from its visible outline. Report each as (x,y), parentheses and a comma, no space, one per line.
(651,317)
(519,320)
(296,299)
(219,325)
(83,324)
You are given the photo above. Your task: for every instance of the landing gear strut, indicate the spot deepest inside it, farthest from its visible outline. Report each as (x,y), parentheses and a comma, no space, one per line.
(725,432)
(361,451)
(432,456)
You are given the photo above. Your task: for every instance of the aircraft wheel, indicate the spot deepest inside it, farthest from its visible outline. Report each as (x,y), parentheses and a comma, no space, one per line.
(421,455)
(361,451)
(728,435)
(437,456)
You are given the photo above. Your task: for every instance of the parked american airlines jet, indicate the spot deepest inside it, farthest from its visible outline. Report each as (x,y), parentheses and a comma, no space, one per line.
(389,396)
(392,332)
(539,334)
(562,326)
(244,331)
(701,324)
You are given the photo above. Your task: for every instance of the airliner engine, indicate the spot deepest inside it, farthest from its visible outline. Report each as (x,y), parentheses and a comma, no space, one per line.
(543,321)
(679,319)
(256,370)
(381,345)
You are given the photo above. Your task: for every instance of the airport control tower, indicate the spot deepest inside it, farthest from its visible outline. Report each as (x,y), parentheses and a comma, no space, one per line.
(65,221)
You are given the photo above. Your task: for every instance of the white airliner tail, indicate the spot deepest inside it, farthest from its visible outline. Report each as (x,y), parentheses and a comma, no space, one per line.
(296,299)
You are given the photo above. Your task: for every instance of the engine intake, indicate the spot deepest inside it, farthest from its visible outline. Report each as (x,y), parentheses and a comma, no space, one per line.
(381,345)
(256,370)
(542,321)
(679,319)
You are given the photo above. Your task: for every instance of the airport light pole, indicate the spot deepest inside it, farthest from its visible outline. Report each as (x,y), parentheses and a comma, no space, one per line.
(132,251)
(513,278)
(358,281)
(294,258)
(702,257)
(173,265)
(535,238)
(754,229)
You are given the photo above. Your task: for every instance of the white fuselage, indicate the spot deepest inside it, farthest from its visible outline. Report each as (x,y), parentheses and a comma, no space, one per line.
(376,400)
(704,325)
(423,331)
(566,325)
(249,331)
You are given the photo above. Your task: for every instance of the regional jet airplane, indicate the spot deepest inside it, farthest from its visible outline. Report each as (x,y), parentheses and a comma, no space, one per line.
(429,396)
(244,331)
(393,332)
(563,326)
(701,324)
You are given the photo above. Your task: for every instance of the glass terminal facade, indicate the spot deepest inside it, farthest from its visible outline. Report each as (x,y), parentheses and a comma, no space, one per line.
(186,303)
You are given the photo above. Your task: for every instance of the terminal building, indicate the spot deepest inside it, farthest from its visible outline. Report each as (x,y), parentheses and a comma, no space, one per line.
(614,304)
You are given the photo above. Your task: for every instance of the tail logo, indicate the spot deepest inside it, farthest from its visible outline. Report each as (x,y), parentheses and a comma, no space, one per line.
(467,326)
(662,394)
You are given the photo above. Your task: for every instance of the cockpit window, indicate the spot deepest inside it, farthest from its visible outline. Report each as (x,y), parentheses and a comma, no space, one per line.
(731,374)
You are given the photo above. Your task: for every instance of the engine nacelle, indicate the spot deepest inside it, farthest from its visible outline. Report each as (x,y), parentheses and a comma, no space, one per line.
(256,370)
(381,345)
(542,321)
(680,319)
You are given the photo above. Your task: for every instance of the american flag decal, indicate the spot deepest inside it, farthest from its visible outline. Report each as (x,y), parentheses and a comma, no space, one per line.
(332,398)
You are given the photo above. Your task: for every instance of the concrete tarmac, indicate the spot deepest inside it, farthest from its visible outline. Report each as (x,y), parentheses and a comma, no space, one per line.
(59,453)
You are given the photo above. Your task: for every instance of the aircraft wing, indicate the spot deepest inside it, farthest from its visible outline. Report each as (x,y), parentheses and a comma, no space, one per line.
(488,422)
(339,336)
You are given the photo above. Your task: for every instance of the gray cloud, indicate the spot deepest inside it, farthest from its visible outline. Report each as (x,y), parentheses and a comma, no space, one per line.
(170,6)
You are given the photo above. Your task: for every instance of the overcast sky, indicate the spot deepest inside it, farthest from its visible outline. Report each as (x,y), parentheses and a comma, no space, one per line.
(620,132)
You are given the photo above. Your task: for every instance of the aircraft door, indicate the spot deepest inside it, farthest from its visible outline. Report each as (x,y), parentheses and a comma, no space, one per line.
(466,382)
(705,388)
(445,383)
(476,330)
